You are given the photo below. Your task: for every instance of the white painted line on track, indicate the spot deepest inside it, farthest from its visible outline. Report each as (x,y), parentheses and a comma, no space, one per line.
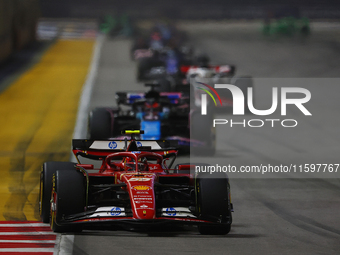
(26,233)
(24,225)
(57,245)
(84,103)
(64,244)
(27,241)
(26,250)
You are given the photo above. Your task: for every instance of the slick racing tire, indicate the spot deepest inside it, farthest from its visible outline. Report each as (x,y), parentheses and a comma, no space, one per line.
(46,176)
(201,129)
(99,126)
(142,67)
(69,198)
(213,203)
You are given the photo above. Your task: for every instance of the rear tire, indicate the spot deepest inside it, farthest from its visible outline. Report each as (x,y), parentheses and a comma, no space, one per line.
(46,176)
(142,67)
(99,126)
(213,203)
(70,198)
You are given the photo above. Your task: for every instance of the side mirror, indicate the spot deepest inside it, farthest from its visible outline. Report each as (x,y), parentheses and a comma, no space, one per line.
(186,167)
(86,166)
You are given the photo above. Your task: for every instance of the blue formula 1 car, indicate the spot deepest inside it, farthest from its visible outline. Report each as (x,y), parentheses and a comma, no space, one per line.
(162,115)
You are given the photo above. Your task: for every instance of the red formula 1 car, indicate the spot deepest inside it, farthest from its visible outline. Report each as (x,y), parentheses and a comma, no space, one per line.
(133,184)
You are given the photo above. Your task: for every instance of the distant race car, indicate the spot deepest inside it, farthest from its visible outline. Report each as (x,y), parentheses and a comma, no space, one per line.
(162,115)
(133,185)
(285,20)
(154,64)
(174,75)
(209,75)
(160,37)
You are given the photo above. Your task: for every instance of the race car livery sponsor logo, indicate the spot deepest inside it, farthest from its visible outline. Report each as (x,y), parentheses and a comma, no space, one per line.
(143,201)
(115,211)
(153,144)
(170,211)
(141,187)
(108,211)
(178,212)
(104,145)
(139,179)
(147,195)
(112,145)
(133,175)
(142,192)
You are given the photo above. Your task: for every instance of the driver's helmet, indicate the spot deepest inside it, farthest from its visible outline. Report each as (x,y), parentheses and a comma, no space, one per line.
(152,102)
(129,164)
(143,164)
(156,42)
(152,110)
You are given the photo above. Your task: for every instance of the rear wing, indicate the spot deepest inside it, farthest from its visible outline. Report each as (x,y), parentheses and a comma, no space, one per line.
(228,69)
(120,145)
(100,149)
(128,98)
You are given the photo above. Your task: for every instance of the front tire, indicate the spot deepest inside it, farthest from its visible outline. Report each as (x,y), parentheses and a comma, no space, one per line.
(46,176)
(213,203)
(69,198)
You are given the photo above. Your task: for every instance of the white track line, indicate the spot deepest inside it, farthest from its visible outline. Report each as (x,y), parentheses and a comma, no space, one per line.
(24,225)
(27,241)
(84,103)
(57,245)
(26,250)
(65,246)
(26,233)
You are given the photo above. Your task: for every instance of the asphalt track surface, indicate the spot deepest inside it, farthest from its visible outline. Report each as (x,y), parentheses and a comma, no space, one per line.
(272,215)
